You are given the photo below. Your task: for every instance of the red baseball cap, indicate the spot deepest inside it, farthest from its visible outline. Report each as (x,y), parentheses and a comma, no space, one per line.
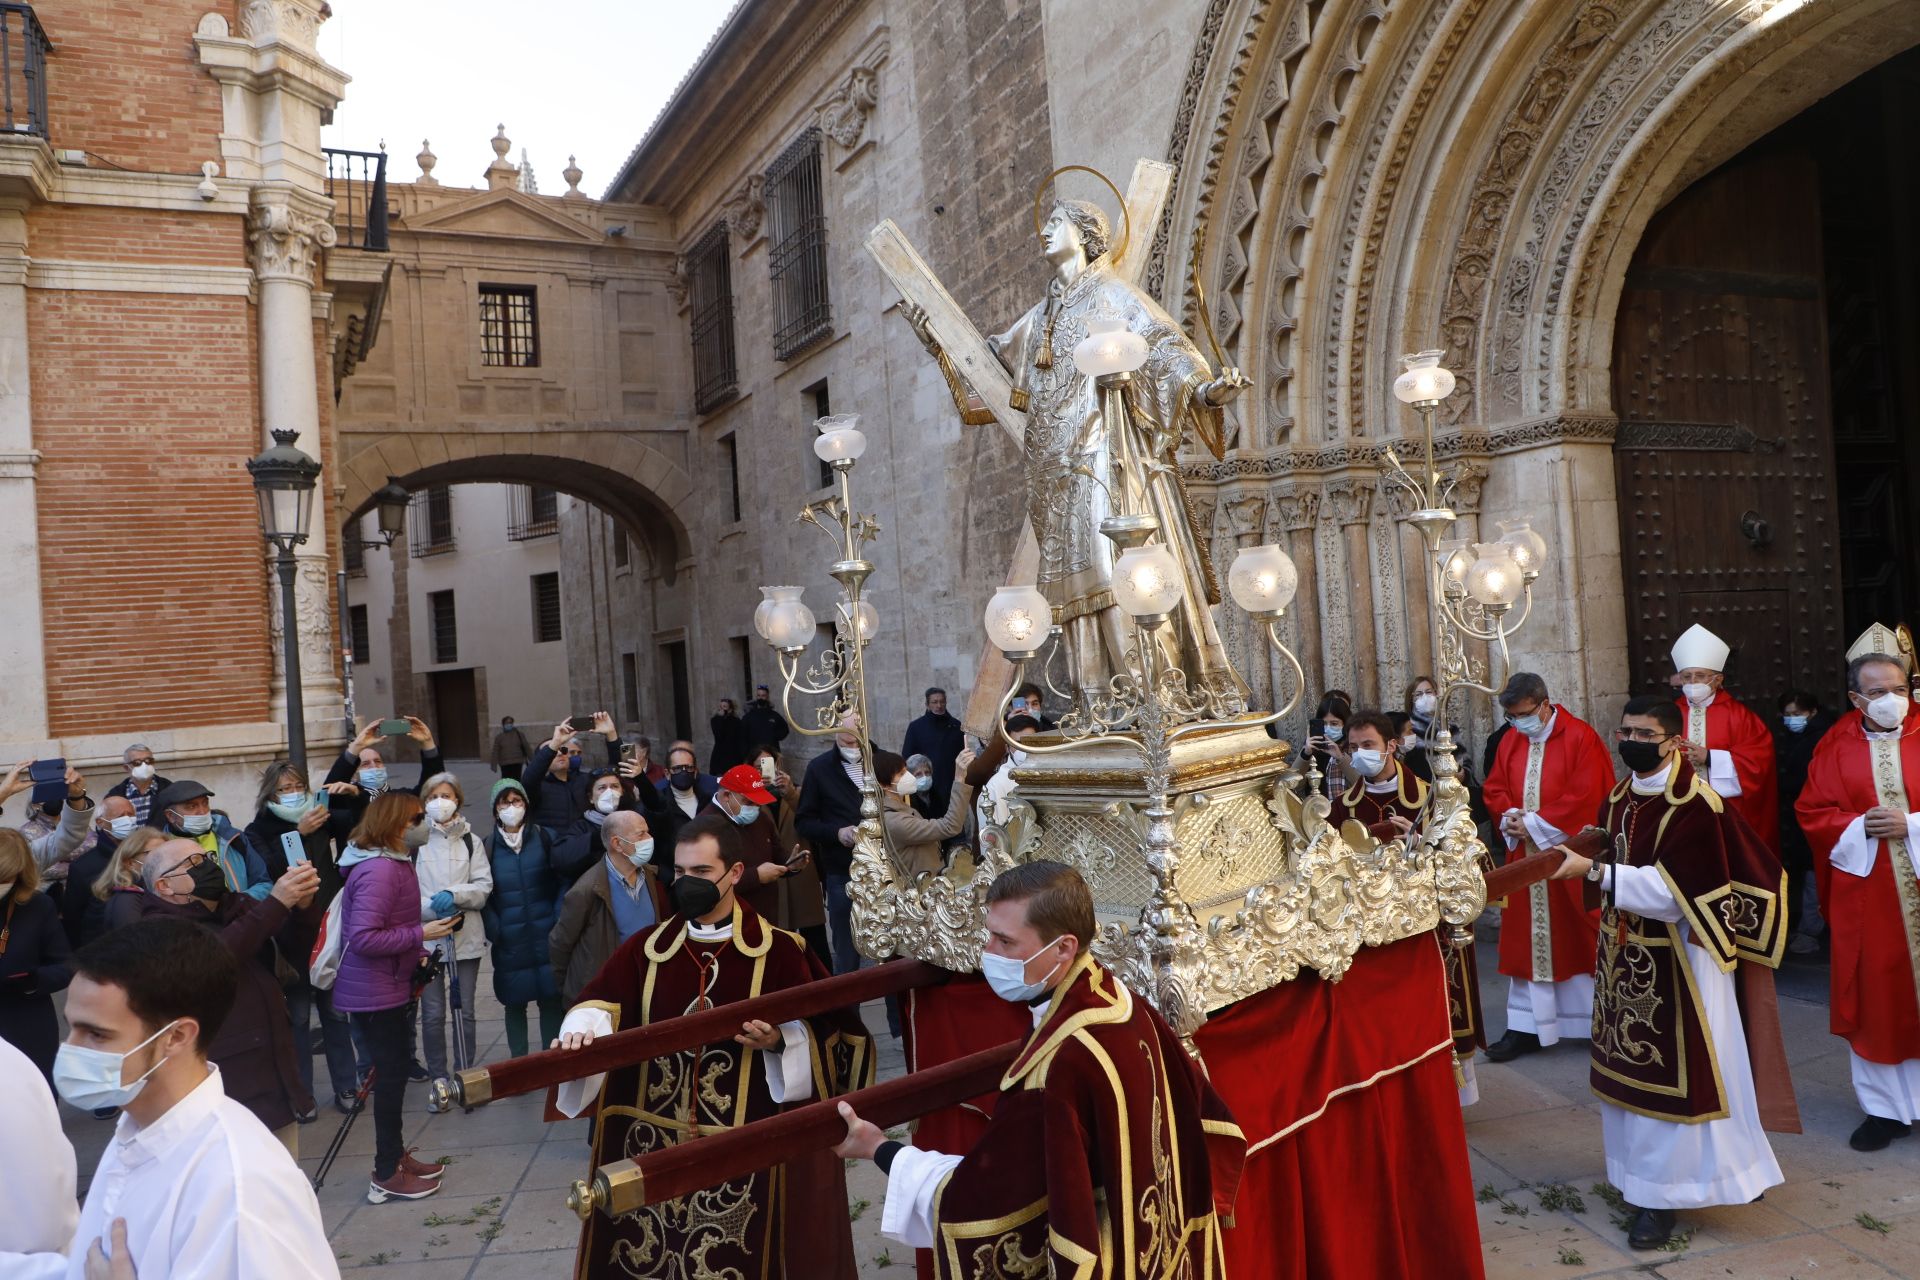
(745,780)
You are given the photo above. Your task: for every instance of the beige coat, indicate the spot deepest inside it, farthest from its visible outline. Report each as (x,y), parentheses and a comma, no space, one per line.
(915,840)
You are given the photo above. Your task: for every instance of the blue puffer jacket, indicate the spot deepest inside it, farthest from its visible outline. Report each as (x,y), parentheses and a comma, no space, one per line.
(520,913)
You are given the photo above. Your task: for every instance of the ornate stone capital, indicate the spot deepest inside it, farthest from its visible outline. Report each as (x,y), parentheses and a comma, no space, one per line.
(285,242)
(677,282)
(1352,501)
(745,210)
(1468,479)
(843,117)
(1299,510)
(1244,514)
(294,22)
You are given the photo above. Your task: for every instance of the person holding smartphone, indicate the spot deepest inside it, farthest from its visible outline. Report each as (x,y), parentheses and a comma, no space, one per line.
(1326,734)
(366,766)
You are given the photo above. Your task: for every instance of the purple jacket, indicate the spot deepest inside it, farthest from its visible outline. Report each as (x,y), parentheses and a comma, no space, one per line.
(380,934)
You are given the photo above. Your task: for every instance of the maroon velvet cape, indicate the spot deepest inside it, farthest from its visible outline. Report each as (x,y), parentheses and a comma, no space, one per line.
(1109,1155)
(1409,801)
(789,1221)
(1652,1050)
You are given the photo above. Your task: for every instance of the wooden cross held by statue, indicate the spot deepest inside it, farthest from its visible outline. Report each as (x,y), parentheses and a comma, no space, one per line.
(983,372)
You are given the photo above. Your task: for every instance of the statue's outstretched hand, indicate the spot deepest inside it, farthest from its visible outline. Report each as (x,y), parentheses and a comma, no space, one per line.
(917,318)
(1226,387)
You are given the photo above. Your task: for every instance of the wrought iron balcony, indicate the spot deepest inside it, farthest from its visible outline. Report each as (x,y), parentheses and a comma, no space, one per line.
(357,184)
(23,71)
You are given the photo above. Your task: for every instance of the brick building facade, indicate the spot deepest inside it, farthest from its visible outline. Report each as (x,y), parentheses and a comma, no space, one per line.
(162,219)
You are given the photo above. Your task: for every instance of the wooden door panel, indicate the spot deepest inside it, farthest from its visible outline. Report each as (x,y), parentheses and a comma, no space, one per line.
(1721,384)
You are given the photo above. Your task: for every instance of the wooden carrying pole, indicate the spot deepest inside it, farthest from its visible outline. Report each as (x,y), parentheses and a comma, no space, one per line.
(480,1085)
(622,1186)
(1515,876)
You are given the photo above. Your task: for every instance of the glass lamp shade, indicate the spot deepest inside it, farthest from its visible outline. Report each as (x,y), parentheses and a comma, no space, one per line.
(1263,579)
(1018,619)
(1426,380)
(783,619)
(1494,581)
(283,480)
(840,438)
(1529,548)
(1109,347)
(865,617)
(1146,581)
(391,505)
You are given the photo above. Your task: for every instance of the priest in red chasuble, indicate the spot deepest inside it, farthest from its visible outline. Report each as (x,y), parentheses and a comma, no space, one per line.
(788,1222)
(1687,1059)
(1550,777)
(1730,746)
(1858,810)
(1108,1156)
(1390,801)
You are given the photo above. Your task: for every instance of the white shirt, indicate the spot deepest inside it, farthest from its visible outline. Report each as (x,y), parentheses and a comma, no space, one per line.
(38,1207)
(789,1068)
(208,1194)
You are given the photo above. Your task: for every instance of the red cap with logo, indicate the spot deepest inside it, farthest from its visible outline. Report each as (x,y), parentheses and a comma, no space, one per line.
(745,780)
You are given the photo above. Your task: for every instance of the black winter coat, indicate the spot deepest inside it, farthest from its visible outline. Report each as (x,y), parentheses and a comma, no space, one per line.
(33,967)
(84,915)
(552,803)
(520,913)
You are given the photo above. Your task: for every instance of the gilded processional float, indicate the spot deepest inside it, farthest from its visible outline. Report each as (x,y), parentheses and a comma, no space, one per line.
(1307,967)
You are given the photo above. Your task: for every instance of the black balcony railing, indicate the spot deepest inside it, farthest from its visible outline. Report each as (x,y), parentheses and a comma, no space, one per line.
(357,184)
(23,71)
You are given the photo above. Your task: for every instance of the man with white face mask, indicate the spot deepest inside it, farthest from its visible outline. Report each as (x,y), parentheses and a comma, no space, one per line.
(142,783)
(1857,809)
(185,811)
(192,1183)
(1101,1098)
(742,798)
(1725,741)
(1549,778)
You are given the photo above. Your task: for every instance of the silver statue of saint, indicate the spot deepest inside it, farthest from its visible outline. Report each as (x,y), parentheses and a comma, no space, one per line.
(1081,468)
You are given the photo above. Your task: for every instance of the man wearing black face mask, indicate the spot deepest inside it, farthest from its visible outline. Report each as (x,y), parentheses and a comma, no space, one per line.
(254,1048)
(1687,1059)
(715,950)
(685,787)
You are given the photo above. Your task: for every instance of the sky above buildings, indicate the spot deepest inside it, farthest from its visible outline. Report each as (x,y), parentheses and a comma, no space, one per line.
(567,77)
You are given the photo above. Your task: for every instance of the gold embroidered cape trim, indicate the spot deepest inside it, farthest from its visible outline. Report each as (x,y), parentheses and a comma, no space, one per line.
(1683,974)
(1890,784)
(1539,905)
(1417,800)
(1055,1030)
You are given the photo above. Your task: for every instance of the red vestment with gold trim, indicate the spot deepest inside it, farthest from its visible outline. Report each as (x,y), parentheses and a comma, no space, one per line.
(1733,728)
(1109,1155)
(1565,779)
(787,1222)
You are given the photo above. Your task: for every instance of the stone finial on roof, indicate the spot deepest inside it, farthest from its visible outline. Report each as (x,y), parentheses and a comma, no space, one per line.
(426,160)
(573,175)
(502,174)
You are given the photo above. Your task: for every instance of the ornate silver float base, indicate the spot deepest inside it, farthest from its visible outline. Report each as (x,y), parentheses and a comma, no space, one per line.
(1213,877)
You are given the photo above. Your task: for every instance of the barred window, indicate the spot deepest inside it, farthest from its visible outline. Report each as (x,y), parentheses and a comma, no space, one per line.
(359,635)
(533,511)
(430,521)
(509,327)
(446,637)
(546,607)
(797,259)
(716,376)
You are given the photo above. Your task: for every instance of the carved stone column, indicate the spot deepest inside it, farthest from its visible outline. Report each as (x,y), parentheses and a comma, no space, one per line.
(285,237)
(1413,580)
(1245,515)
(1352,504)
(1299,513)
(23,695)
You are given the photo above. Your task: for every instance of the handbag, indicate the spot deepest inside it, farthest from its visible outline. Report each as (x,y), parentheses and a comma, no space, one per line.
(324,964)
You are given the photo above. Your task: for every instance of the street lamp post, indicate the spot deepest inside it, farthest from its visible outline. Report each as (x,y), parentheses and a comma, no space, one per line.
(283,481)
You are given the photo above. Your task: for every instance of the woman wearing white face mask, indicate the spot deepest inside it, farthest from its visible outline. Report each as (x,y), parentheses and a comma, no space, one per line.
(914,840)
(519,914)
(456,878)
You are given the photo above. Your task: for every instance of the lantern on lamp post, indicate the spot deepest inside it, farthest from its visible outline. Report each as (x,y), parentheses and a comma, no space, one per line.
(283,482)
